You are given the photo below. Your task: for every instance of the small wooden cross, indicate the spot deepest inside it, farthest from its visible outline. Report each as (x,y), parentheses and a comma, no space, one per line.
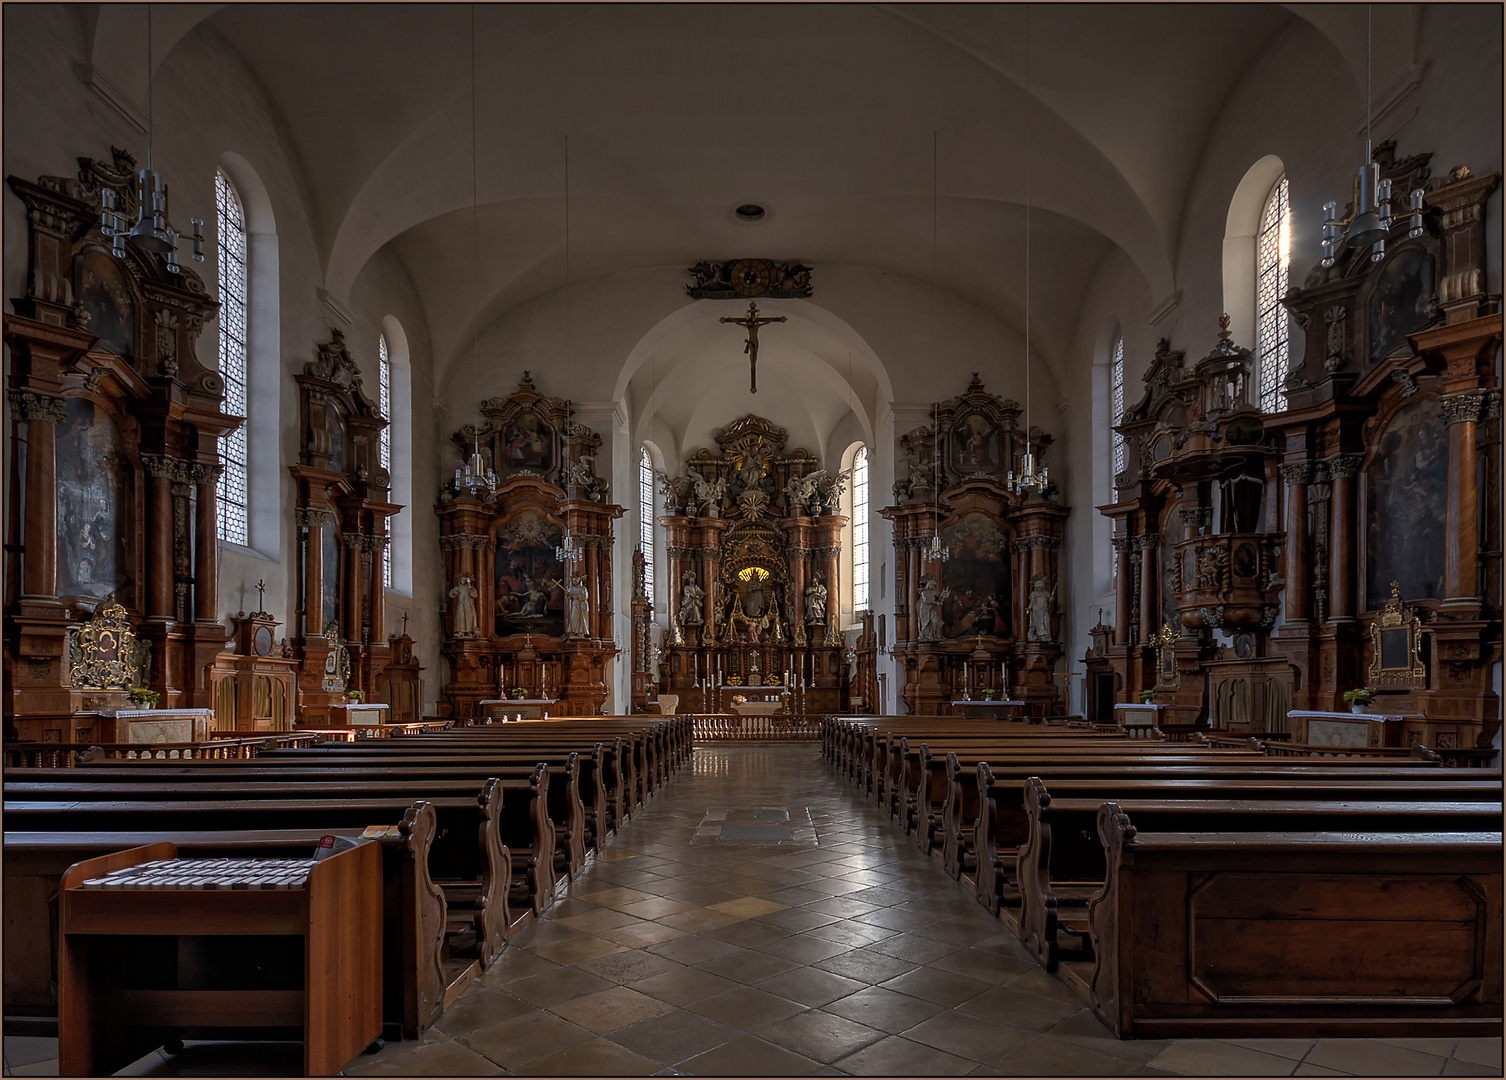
(405,624)
(752,322)
(261,595)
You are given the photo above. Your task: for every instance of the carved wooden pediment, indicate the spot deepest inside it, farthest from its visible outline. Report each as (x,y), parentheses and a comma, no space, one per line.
(340,425)
(975,435)
(531,434)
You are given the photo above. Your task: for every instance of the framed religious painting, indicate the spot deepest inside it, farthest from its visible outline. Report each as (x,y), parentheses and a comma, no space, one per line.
(1405,505)
(529,579)
(976,579)
(975,445)
(1400,303)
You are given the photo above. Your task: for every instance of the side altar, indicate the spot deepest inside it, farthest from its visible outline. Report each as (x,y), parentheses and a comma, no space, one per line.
(976,564)
(754,538)
(528,567)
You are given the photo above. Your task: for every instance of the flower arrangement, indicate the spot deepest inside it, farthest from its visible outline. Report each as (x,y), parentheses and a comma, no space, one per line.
(988,695)
(145,698)
(1358,698)
(518,693)
(1147,697)
(734,680)
(353,696)
(739,699)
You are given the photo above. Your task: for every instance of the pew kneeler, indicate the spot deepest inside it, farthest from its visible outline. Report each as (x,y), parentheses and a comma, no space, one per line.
(137,968)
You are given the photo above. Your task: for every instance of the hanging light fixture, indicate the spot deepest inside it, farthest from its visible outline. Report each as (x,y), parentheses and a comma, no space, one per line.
(568,549)
(152,233)
(477,478)
(938,551)
(1370,223)
(1030,479)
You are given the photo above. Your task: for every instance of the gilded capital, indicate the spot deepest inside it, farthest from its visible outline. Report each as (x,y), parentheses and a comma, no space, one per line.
(29,405)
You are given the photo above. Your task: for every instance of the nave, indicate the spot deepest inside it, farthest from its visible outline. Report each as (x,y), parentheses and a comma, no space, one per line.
(683,950)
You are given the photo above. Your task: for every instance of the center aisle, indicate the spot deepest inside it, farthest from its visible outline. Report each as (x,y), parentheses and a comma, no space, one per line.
(700,942)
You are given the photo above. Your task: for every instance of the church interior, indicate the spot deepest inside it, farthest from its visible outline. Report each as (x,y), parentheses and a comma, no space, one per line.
(781,514)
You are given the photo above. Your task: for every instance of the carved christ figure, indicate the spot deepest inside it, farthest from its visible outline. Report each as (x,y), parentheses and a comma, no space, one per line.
(752,322)
(464,595)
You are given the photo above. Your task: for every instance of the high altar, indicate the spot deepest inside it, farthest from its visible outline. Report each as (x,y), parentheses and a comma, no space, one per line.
(753,538)
(526,619)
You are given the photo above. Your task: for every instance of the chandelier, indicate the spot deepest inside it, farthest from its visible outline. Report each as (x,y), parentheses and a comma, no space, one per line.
(476,478)
(1370,222)
(152,232)
(938,552)
(1030,479)
(569,549)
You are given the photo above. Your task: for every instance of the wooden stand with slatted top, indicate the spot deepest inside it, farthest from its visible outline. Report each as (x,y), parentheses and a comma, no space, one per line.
(136,969)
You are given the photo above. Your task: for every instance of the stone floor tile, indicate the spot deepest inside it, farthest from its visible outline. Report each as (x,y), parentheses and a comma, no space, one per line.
(692,949)
(1479,1051)
(642,934)
(1308,1069)
(869,967)
(609,1010)
(803,949)
(745,966)
(556,986)
(576,950)
(1054,1057)
(746,1008)
(546,932)
(596,1058)
(481,1007)
(810,986)
(844,907)
(749,933)
(656,907)
(1018,1009)
(1440,1047)
(1084,1029)
(674,1036)
(798,919)
(820,1035)
(795,895)
(748,1056)
(699,921)
(982,964)
(1458,1067)
(884,1009)
(851,932)
(1213,1057)
(516,1041)
(933,984)
(1296,1049)
(965,1036)
(48,1067)
(29,1049)
(1038,982)
(684,986)
(631,966)
(1371,1057)
(910,947)
(749,907)
(601,919)
(896,1056)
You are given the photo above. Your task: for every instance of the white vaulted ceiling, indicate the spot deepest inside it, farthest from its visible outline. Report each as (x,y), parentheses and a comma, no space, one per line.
(825,113)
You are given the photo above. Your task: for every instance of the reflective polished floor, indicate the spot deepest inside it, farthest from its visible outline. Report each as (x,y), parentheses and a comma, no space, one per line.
(757,918)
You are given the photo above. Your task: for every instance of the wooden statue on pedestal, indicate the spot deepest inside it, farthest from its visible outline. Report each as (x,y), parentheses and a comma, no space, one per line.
(528,564)
(120,424)
(754,538)
(342,513)
(976,565)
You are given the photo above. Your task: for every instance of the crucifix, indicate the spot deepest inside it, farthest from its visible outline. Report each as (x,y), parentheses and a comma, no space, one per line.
(405,624)
(261,595)
(752,322)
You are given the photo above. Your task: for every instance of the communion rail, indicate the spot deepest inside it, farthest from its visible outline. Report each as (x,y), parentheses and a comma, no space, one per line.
(67,755)
(720,726)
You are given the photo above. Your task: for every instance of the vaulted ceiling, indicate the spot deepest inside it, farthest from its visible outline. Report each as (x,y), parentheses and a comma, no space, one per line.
(827,114)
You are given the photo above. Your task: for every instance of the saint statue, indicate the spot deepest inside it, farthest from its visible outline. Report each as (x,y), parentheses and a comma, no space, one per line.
(815,602)
(577,600)
(464,595)
(928,610)
(690,600)
(1039,610)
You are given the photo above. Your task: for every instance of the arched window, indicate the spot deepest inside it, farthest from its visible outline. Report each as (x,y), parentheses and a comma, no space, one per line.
(233,276)
(646,518)
(860,530)
(1116,413)
(384,378)
(1272,254)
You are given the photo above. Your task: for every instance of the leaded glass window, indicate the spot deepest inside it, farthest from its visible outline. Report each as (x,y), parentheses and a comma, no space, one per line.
(1272,254)
(860,530)
(646,519)
(1116,412)
(384,366)
(231,250)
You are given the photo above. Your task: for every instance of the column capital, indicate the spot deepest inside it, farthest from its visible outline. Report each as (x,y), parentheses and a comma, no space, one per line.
(1297,472)
(313,517)
(1471,407)
(29,405)
(1343,466)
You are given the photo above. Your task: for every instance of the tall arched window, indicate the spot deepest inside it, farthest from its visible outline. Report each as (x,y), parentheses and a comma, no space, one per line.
(646,518)
(859,530)
(1116,413)
(1272,254)
(384,378)
(233,276)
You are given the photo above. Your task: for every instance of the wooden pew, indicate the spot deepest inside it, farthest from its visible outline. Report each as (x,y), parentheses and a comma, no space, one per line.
(419,977)
(1062,861)
(1305,934)
(1003,825)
